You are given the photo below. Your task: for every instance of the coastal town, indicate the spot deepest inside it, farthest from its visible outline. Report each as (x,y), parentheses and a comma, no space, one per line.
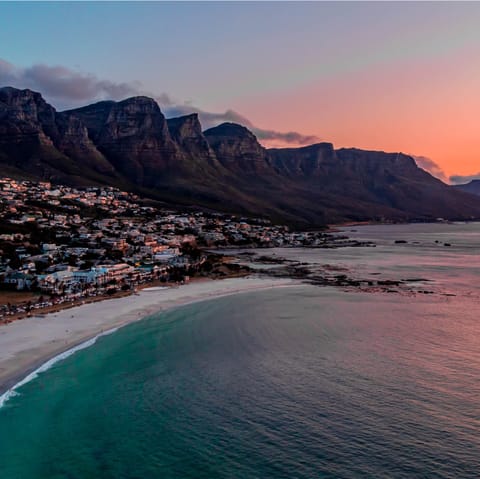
(66,244)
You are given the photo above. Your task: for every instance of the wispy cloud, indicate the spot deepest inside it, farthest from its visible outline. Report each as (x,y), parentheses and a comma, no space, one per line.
(460,179)
(209,119)
(66,88)
(290,137)
(429,165)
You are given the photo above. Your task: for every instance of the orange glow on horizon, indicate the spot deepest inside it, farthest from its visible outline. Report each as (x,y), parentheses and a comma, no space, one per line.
(416,108)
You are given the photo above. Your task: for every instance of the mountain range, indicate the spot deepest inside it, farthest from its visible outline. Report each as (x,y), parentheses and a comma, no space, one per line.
(130,144)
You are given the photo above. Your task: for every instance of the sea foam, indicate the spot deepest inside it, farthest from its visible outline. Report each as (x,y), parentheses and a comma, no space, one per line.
(48,364)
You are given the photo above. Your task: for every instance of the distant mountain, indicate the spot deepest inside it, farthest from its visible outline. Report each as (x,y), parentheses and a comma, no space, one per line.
(130,144)
(471,187)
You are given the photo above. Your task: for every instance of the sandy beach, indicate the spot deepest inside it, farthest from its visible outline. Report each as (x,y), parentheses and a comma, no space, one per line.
(28,343)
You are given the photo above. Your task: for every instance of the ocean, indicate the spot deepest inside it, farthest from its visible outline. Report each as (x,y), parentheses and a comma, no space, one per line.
(294,382)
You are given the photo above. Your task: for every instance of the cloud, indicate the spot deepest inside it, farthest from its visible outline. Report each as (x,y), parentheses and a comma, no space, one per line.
(66,88)
(290,137)
(460,180)
(429,165)
(60,82)
(7,72)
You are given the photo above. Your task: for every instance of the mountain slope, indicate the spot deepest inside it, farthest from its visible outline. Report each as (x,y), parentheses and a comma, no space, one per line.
(371,183)
(472,187)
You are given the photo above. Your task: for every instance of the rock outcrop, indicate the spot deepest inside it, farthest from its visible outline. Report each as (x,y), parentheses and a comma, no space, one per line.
(186,132)
(75,143)
(37,139)
(238,149)
(313,160)
(133,135)
(26,122)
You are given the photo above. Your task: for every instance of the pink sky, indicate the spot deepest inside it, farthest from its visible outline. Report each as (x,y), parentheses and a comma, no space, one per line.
(395,76)
(421,107)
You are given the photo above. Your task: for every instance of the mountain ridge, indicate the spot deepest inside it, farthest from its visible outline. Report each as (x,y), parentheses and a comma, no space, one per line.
(132,145)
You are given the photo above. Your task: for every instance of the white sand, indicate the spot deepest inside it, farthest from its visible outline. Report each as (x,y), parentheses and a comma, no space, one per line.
(25,344)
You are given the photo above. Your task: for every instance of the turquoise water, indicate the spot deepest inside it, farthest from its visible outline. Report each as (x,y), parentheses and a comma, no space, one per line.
(301,382)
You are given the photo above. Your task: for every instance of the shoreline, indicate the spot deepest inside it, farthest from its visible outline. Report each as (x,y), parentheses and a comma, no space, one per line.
(27,345)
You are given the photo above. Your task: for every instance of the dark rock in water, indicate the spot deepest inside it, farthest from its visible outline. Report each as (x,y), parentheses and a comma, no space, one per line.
(388,282)
(447,244)
(400,242)
(271,260)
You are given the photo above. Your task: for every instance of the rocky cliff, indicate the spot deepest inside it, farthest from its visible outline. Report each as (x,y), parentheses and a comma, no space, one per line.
(27,124)
(35,138)
(238,149)
(313,160)
(387,185)
(130,144)
(133,135)
(74,142)
(195,150)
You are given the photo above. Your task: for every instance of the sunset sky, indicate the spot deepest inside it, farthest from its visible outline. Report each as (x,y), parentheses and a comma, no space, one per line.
(382,75)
